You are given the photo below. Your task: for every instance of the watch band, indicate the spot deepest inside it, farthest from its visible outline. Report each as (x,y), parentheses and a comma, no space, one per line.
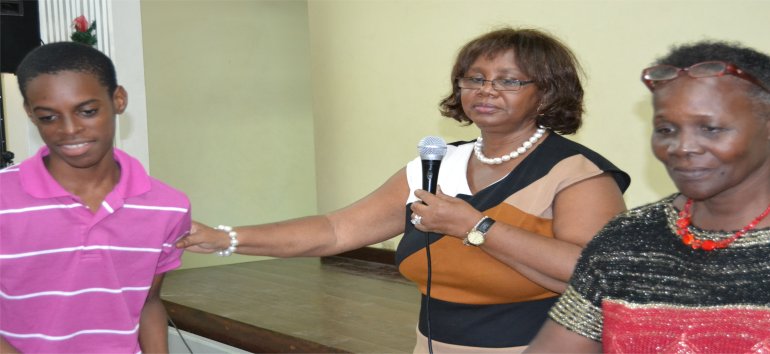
(484,225)
(476,227)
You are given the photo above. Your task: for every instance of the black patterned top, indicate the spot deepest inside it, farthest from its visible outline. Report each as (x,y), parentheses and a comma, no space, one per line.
(638,287)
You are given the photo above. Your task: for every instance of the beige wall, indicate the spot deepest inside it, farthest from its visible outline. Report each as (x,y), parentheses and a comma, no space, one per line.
(229,81)
(229,108)
(380,68)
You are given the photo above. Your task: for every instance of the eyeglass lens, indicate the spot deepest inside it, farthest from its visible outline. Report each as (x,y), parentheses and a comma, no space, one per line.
(710,68)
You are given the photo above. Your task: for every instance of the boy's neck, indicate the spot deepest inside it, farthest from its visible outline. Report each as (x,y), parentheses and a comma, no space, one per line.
(90,184)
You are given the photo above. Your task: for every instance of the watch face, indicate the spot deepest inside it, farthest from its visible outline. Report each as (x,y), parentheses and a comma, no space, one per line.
(475,238)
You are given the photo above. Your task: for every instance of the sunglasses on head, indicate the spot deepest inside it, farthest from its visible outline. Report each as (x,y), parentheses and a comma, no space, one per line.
(659,74)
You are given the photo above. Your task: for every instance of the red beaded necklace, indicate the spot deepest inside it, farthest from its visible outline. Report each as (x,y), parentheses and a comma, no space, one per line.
(685,220)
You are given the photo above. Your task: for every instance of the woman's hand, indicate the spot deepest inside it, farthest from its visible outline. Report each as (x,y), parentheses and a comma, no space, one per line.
(443,214)
(204,239)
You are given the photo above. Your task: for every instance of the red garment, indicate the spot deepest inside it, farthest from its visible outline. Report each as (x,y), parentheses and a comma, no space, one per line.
(662,328)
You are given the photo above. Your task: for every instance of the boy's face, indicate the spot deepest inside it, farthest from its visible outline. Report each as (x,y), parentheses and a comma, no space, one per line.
(75,116)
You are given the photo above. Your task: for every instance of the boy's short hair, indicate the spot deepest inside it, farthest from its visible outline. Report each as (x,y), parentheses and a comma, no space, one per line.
(66,56)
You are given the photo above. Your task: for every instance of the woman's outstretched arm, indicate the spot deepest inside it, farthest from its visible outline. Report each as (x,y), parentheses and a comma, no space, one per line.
(377,217)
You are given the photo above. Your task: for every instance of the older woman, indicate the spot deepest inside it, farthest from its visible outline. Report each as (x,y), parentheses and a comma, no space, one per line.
(528,198)
(668,277)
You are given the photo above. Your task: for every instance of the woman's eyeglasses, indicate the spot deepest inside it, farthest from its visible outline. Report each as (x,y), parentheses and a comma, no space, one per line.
(476,83)
(656,75)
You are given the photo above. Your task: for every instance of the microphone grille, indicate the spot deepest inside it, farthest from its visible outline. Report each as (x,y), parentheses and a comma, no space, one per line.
(432,148)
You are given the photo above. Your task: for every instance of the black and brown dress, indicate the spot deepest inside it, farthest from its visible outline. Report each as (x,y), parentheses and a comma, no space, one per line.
(477,301)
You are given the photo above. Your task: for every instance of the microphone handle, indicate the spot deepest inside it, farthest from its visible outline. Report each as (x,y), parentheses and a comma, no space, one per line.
(430,175)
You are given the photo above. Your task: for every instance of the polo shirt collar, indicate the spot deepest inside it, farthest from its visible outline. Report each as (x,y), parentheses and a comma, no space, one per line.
(134,180)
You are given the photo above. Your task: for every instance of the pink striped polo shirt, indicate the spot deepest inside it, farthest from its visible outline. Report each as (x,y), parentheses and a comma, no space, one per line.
(75,281)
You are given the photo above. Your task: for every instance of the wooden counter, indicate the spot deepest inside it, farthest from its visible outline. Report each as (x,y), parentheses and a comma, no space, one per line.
(301,305)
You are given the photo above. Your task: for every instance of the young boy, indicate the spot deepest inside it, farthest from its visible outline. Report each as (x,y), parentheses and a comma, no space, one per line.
(85,234)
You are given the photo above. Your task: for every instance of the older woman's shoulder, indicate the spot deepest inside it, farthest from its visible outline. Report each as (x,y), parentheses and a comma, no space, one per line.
(647,211)
(637,227)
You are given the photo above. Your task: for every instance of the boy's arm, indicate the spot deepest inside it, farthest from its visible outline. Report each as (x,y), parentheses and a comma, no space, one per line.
(6,347)
(153,324)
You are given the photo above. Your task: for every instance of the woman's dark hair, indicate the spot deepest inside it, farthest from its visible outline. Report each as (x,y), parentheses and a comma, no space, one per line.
(66,56)
(751,61)
(755,63)
(544,59)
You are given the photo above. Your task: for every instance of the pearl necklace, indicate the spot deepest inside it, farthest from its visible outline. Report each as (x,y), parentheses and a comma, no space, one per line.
(688,238)
(479,144)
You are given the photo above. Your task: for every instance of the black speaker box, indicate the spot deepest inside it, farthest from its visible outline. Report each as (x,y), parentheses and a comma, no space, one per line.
(19,32)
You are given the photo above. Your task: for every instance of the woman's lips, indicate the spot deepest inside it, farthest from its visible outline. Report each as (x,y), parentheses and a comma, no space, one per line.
(690,173)
(485,108)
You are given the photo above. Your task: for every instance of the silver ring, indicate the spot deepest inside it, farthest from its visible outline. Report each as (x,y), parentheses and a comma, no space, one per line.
(416,220)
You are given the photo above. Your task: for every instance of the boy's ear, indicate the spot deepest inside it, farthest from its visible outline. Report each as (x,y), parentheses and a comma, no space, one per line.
(120,99)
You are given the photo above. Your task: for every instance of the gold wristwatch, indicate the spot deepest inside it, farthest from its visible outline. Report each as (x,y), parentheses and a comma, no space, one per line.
(476,236)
